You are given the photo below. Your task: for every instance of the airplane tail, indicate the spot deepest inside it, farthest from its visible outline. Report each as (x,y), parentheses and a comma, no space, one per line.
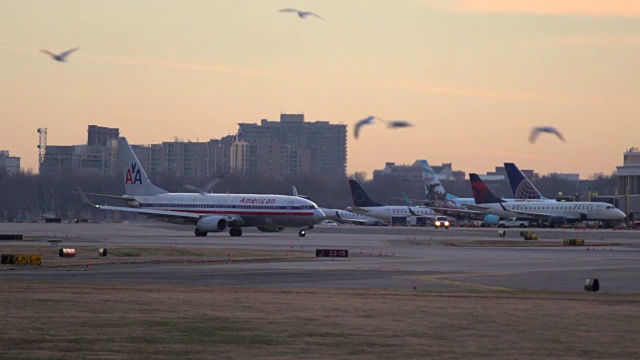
(433,188)
(360,197)
(136,181)
(481,192)
(521,186)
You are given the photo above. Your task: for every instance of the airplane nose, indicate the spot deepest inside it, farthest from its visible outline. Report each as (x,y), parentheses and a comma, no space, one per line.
(621,215)
(318,215)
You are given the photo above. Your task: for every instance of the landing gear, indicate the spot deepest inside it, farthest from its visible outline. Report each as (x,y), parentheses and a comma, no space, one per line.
(302,233)
(235,232)
(200,233)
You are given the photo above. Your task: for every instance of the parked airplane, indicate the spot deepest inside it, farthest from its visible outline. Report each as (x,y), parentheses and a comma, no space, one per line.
(344,216)
(339,215)
(363,204)
(522,187)
(208,212)
(552,211)
(447,203)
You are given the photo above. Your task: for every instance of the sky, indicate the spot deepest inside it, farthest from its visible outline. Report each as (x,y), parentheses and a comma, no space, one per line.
(473,76)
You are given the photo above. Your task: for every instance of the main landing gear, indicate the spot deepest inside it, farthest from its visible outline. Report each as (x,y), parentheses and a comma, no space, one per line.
(200,233)
(235,232)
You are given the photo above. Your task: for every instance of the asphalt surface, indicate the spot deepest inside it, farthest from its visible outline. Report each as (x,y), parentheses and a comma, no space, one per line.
(380,258)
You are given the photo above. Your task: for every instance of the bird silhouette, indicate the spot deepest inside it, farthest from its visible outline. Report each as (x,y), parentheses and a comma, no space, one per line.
(302,14)
(398,124)
(62,57)
(207,188)
(366,121)
(535,132)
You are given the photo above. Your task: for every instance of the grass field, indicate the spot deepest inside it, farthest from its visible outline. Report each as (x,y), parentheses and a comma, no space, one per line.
(56,321)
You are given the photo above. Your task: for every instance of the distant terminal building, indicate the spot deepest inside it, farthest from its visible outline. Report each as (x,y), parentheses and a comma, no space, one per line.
(319,148)
(413,173)
(10,164)
(628,184)
(501,171)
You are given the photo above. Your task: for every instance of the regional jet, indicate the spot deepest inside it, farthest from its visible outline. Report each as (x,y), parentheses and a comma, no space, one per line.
(208,212)
(363,204)
(552,211)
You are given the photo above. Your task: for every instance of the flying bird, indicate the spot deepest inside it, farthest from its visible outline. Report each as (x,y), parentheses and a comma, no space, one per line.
(62,57)
(207,188)
(398,124)
(366,121)
(302,14)
(547,129)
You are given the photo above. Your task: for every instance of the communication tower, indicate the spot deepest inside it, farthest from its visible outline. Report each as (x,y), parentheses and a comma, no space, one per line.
(42,144)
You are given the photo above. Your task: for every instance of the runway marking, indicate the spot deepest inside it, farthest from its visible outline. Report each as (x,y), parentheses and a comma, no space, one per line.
(441,279)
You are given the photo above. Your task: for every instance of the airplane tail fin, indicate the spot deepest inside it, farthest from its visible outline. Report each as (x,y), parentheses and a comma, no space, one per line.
(481,192)
(360,197)
(433,188)
(136,181)
(521,186)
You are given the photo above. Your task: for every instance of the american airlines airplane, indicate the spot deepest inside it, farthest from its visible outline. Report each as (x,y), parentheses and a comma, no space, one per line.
(553,211)
(363,204)
(208,212)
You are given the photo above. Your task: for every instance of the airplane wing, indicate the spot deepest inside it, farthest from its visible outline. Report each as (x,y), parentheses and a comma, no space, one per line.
(174,217)
(446,210)
(477,207)
(114,197)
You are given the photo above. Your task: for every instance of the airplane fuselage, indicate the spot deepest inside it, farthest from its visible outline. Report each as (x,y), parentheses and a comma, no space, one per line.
(387,212)
(569,210)
(244,209)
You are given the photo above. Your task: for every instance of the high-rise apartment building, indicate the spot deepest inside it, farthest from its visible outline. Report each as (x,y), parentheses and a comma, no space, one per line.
(100,135)
(325,143)
(10,164)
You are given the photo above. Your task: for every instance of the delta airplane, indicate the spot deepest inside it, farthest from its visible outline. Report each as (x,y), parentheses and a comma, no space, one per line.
(208,212)
(553,211)
(363,204)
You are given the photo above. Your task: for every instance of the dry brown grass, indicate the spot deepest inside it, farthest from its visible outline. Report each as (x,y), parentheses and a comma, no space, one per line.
(144,321)
(149,254)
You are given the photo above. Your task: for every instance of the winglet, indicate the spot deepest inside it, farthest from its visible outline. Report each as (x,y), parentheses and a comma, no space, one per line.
(84,197)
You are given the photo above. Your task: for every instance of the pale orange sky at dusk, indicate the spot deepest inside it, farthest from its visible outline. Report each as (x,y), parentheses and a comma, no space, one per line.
(473,75)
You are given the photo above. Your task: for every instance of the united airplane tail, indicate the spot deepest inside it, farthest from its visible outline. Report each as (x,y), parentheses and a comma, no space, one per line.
(521,186)
(360,197)
(136,181)
(481,192)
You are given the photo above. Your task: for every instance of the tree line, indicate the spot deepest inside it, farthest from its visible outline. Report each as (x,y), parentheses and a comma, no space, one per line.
(26,196)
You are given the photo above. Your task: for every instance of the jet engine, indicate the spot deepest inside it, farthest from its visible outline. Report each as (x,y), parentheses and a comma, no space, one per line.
(491,219)
(211,224)
(270,229)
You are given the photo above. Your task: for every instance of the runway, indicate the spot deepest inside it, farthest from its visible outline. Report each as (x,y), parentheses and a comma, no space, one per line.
(424,259)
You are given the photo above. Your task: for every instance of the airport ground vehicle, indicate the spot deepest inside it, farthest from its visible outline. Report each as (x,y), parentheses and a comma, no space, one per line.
(441,221)
(513,222)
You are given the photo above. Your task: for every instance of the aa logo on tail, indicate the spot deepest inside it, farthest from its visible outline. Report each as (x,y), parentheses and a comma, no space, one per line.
(133,175)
